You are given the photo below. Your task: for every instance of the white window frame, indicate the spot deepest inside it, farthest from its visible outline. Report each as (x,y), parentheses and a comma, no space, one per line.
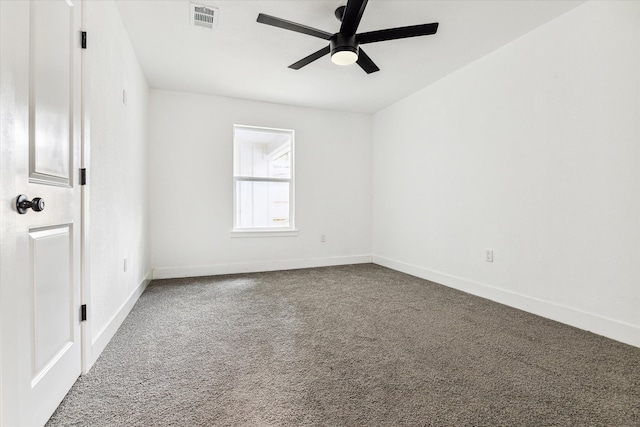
(287,231)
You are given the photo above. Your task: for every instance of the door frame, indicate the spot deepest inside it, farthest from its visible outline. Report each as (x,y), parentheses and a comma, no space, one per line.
(85,264)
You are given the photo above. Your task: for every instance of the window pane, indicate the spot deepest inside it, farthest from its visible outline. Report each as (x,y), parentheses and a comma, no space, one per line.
(262,204)
(268,157)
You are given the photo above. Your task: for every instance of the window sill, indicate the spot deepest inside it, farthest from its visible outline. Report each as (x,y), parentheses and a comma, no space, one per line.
(264,233)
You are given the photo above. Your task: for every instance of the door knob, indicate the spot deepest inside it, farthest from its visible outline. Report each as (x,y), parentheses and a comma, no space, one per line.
(23,204)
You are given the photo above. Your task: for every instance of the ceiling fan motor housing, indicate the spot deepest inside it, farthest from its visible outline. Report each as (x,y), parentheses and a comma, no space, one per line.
(340,42)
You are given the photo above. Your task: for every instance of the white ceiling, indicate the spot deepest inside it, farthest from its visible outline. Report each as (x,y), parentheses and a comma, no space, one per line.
(248,60)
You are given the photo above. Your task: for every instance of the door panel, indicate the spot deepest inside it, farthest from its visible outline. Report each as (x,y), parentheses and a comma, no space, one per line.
(52,326)
(51,95)
(40,317)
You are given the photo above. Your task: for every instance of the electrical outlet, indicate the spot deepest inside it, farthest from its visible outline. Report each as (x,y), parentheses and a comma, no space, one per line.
(489,257)
(125,265)
(323,238)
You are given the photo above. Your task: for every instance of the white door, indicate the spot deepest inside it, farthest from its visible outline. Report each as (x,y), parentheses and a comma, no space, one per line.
(40,270)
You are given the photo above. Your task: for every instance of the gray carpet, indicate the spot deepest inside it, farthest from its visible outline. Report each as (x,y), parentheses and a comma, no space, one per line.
(350,345)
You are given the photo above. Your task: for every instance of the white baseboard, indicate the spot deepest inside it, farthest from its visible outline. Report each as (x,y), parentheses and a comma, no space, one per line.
(610,328)
(102,338)
(255,267)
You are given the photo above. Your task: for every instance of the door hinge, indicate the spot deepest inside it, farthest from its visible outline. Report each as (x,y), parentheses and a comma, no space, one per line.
(83,176)
(83,312)
(84,39)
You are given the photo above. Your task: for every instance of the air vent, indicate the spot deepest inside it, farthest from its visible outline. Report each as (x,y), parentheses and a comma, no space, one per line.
(204,16)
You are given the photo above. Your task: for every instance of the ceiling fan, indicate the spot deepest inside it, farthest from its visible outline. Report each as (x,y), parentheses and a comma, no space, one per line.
(344,45)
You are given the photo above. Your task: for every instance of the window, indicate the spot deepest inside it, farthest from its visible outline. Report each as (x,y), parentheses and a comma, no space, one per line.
(262,179)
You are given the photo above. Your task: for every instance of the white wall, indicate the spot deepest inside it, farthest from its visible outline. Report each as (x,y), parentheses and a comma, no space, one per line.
(191,153)
(532,151)
(117,173)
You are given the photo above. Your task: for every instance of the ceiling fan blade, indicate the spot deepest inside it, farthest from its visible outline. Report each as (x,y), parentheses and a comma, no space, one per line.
(397,33)
(366,63)
(309,59)
(292,26)
(352,15)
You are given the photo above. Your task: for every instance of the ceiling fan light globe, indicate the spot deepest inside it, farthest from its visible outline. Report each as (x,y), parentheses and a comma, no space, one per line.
(344,57)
